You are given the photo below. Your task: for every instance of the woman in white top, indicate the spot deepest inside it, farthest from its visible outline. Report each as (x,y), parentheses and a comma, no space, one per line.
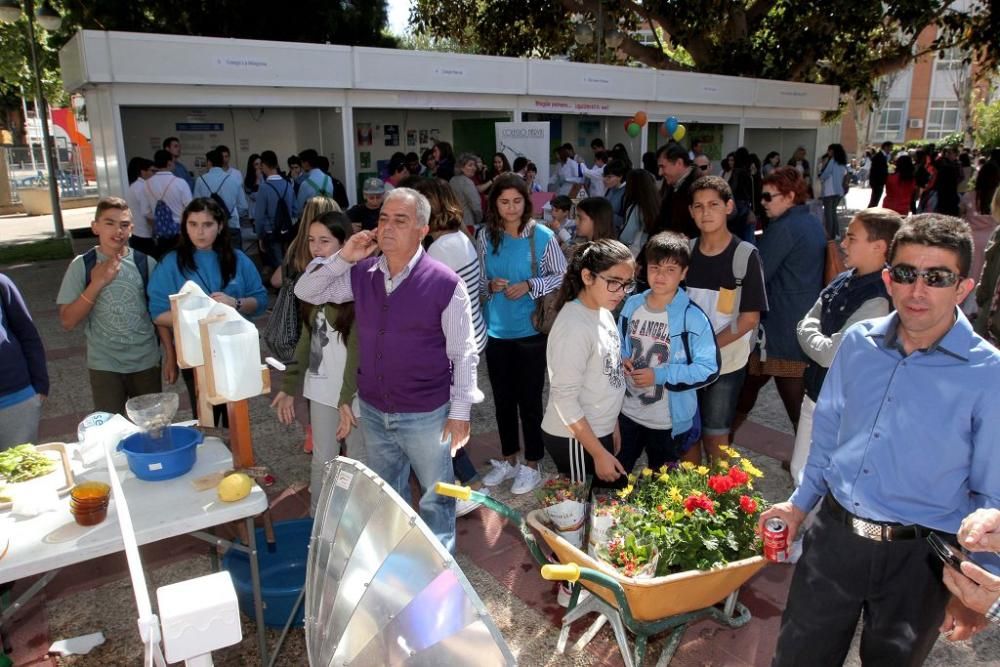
(586,376)
(139,171)
(466,191)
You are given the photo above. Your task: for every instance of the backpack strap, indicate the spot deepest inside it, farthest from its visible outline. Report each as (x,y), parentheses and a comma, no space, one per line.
(89,262)
(741,260)
(141,263)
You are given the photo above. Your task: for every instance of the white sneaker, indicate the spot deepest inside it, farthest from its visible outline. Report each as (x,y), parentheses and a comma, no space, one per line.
(566,591)
(525,480)
(502,471)
(463,507)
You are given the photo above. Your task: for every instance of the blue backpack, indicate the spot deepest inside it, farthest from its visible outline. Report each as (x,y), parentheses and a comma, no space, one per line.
(163,218)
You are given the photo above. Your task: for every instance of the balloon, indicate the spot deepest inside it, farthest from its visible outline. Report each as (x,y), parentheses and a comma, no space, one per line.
(628,121)
(633,129)
(663,131)
(679,133)
(672,124)
(640,117)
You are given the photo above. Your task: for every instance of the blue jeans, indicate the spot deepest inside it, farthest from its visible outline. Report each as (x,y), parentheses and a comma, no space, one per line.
(397,442)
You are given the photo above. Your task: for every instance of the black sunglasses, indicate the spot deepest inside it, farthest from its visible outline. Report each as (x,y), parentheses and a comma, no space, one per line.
(904,274)
(703,167)
(766,196)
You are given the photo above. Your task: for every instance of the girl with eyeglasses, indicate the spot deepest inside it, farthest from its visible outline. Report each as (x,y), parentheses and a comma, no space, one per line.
(586,375)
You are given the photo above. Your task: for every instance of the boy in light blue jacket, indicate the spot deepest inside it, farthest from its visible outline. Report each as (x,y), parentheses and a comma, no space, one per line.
(669,351)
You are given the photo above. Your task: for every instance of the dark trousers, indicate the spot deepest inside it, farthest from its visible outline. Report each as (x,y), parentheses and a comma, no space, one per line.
(517,375)
(462,466)
(111,390)
(895,586)
(558,449)
(219,412)
(660,445)
(877,189)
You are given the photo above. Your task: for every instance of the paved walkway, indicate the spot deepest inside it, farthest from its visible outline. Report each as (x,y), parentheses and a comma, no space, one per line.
(97,595)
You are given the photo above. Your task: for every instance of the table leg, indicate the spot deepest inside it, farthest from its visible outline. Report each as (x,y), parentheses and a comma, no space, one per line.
(24,597)
(258,602)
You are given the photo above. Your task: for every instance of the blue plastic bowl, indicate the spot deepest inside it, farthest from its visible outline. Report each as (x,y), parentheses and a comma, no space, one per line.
(157,459)
(282,572)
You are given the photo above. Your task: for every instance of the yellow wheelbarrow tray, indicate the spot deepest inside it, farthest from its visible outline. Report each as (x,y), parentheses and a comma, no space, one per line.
(644,607)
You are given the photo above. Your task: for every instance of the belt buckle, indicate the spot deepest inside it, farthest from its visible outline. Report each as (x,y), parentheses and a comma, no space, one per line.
(867,529)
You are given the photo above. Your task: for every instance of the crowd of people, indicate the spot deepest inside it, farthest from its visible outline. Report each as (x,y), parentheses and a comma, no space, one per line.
(656,302)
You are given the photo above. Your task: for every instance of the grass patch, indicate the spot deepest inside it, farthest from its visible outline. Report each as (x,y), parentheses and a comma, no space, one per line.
(36,251)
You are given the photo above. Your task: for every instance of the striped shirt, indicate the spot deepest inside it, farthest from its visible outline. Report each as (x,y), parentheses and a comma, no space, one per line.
(553,264)
(456,251)
(328,280)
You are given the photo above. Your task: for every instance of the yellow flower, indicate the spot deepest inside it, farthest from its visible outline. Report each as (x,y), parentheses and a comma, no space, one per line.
(687,465)
(624,493)
(632,478)
(675,494)
(723,465)
(751,469)
(669,514)
(664,478)
(701,470)
(664,469)
(725,449)
(733,454)
(646,472)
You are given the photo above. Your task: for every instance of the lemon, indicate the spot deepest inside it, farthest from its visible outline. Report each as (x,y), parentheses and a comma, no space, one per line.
(235,487)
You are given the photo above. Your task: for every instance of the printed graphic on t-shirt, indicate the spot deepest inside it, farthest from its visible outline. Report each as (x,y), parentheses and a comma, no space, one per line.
(649,338)
(612,358)
(319,340)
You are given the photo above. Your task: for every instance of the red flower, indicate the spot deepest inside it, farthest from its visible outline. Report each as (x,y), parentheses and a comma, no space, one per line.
(720,483)
(748,504)
(698,501)
(738,476)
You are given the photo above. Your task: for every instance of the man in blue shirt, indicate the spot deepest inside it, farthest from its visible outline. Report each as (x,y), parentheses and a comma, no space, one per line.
(229,188)
(904,443)
(173,146)
(273,190)
(314,184)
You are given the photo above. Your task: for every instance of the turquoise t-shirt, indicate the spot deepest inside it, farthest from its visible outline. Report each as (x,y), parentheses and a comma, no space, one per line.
(507,319)
(121,337)
(169,278)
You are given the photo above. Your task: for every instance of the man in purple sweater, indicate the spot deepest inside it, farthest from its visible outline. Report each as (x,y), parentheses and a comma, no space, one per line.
(417,372)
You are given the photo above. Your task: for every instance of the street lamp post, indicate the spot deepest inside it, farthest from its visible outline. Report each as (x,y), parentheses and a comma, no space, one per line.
(50,20)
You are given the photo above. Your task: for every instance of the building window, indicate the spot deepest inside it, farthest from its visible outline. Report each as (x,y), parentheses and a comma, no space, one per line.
(942,119)
(949,60)
(890,121)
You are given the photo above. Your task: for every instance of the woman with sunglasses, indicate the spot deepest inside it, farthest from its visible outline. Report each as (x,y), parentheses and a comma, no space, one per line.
(520,261)
(586,375)
(793,252)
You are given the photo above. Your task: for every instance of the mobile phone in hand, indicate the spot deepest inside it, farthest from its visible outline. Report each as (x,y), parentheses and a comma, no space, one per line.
(950,555)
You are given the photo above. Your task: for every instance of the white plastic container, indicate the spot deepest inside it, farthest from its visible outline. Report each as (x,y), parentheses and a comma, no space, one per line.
(236,356)
(191,310)
(199,616)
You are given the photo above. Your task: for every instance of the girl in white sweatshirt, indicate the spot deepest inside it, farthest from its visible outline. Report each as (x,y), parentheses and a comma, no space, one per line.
(586,377)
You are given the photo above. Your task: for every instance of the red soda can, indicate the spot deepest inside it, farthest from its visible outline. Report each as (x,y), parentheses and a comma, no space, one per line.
(776,540)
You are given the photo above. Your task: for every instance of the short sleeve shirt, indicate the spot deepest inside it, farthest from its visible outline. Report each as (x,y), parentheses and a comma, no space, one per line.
(711,284)
(649,332)
(120,336)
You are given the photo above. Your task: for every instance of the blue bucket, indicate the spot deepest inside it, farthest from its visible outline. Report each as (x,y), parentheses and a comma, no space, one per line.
(166,457)
(282,572)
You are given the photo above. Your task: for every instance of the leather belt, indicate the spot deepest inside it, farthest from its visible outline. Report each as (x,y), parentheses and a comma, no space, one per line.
(879,531)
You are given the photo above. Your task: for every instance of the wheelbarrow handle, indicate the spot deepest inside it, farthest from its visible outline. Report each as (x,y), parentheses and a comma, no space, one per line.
(453,490)
(556,572)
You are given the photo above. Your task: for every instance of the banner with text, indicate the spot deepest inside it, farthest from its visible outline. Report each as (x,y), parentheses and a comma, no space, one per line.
(530,140)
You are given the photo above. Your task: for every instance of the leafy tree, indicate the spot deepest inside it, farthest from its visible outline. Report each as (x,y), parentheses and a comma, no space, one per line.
(987,124)
(849,43)
(316,21)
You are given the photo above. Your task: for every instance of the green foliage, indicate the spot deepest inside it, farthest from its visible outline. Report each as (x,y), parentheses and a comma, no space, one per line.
(36,251)
(849,43)
(987,125)
(693,519)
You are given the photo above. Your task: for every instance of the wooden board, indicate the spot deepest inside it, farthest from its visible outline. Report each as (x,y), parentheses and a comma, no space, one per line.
(61,478)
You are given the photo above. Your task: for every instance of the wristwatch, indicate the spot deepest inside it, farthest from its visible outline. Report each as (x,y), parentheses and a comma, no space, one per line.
(239,303)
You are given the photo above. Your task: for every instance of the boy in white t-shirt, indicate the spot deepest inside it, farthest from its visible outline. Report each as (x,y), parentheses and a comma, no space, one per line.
(669,351)
(712,284)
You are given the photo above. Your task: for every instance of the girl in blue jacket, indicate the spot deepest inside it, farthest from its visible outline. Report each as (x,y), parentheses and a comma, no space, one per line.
(669,351)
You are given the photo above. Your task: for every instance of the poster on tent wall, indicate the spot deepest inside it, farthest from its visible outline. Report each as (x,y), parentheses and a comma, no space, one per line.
(530,140)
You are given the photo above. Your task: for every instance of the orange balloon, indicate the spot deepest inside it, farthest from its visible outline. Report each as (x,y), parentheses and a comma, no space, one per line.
(640,117)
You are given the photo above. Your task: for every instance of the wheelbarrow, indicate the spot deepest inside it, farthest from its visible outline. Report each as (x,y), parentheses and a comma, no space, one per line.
(642,607)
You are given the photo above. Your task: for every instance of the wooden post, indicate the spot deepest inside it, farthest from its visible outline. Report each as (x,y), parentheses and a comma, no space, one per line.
(240,440)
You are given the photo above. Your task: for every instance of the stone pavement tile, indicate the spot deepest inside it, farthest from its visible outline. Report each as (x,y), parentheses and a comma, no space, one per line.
(765,440)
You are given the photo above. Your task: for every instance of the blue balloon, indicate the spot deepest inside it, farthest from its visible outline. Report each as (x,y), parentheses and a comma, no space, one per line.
(672,124)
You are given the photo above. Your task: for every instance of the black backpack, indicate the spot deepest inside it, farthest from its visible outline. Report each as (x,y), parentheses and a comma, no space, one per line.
(284,228)
(141,263)
(217,198)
